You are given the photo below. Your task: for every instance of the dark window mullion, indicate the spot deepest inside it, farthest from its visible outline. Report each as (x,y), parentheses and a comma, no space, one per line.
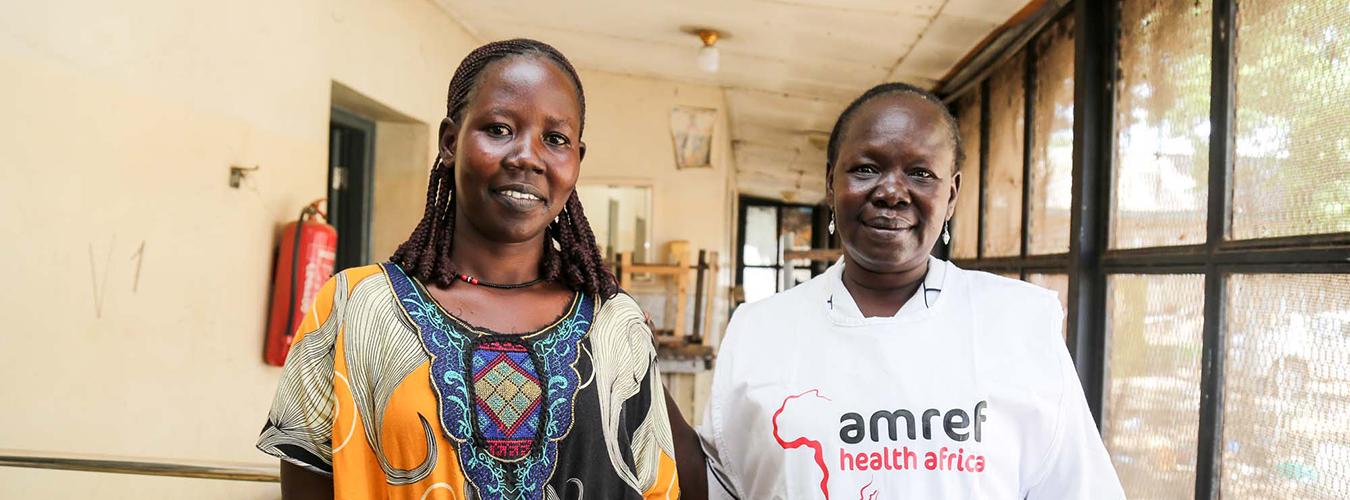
(1209,459)
(1095,38)
(778,248)
(1030,270)
(1028,136)
(984,168)
(1307,240)
(778,236)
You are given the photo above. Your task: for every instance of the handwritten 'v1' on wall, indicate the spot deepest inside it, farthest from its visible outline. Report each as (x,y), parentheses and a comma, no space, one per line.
(98,273)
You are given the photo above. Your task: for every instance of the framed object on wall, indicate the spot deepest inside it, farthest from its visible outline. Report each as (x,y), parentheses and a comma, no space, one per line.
(691,130)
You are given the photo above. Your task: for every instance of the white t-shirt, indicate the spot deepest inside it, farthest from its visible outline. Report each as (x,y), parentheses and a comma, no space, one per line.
(967,392)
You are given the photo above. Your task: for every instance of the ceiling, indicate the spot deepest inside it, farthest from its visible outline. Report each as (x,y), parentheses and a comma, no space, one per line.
(788,66)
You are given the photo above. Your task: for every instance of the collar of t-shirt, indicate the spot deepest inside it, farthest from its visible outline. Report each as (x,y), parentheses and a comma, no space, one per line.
(844,310)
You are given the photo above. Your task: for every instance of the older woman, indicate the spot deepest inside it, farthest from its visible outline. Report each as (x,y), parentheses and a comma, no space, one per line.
(895,374)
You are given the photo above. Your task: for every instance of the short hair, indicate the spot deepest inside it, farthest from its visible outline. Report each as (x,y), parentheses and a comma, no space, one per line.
(832,151)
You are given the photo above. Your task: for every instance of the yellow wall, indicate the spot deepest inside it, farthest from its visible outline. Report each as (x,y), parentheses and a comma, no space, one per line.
(122,119)
(628,137)
(138,280)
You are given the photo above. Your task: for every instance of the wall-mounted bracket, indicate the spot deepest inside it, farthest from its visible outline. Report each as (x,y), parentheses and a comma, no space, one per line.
(238,173)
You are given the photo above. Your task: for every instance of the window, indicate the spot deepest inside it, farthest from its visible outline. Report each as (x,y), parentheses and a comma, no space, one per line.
(1050,183)
(768,229)
(1002,212)
(1162,125)
(1286,416)
(1153,382)
(1003,225)
(1189,200)
(1291,166)
(965,229)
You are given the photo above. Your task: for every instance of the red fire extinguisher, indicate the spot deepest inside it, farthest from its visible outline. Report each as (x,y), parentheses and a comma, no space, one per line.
(304,263)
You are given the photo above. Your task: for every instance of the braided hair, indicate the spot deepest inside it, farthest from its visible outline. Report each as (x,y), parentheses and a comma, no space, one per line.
(571,256)
(832,151)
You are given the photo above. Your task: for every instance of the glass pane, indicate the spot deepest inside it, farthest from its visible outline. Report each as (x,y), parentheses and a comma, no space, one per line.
(799,276)
(761,235)
(1002,217)
(1152,415)
(1291,167)
(1052,142)
(1286,417)
(1060,284)
(1162,124)
(759,282)
(796,231)
(965,233)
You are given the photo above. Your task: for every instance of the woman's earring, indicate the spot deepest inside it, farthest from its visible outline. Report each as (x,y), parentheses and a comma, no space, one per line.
(946,234)
(831,224)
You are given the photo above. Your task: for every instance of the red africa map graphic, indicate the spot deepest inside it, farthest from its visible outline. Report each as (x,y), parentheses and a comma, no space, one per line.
(803,441)
(862,493)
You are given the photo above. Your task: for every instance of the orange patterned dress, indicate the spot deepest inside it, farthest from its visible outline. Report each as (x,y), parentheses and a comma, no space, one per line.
(394,397)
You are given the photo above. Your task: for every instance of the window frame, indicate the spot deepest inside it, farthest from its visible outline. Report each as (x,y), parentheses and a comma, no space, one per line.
(1024,263)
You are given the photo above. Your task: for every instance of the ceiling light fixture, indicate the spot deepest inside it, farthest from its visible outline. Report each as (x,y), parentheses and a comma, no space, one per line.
(708,56)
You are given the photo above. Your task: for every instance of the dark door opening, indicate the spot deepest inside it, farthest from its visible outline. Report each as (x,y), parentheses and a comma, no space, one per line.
(351,156)
(766,229)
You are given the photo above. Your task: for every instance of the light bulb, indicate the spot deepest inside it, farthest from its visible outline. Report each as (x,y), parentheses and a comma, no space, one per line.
(708,59)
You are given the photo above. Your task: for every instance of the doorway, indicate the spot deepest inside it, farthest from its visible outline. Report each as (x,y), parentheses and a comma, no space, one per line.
(351,156)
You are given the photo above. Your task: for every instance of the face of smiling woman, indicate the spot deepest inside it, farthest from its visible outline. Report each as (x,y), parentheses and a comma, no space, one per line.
(517,149)
(893,183)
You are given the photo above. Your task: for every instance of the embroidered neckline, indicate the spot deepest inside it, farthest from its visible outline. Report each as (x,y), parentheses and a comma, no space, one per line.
(481,331)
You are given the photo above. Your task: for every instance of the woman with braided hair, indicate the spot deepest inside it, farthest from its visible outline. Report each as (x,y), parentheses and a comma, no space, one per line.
(494,356)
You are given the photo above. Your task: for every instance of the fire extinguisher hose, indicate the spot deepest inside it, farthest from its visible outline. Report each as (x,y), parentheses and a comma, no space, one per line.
(305,214)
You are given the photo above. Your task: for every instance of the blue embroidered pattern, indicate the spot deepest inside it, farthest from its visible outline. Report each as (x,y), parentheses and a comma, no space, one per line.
(508,398)
(555,352)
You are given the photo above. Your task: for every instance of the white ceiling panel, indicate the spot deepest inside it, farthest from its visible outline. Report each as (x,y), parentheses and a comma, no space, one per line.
(788,66)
